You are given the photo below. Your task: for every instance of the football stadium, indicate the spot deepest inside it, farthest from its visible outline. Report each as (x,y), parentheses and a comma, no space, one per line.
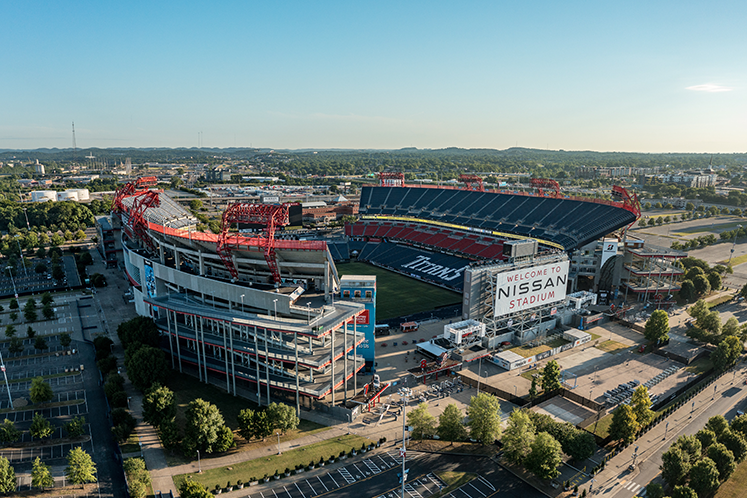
(269,317)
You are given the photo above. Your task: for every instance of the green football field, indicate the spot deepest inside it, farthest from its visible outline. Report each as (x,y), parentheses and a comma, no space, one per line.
(398,295)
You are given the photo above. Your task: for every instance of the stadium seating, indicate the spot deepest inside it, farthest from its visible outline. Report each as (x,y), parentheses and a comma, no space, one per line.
(569,222)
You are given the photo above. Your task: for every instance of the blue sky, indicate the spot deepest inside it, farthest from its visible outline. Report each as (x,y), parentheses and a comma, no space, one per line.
(625,76)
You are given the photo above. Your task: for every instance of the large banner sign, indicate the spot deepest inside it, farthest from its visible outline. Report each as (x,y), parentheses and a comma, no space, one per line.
(519,290)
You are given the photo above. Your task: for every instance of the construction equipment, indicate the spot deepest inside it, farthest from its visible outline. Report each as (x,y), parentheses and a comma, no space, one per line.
(472,182)
(391,179)
(542,183)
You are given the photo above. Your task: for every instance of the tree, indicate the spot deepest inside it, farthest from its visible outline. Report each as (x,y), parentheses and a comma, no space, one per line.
(735,443)
(159,404)
(80,468)
(451,424)
(123,424)
(657,327)
(192,489)
(727,352)
(65,340)
(74,427)
(10,330)
(8,432)
(624,425)
(684,492)
(717,424)
(282,416)
(687,290)
(689,206)
(702,285)
(641,404)
(739,425)
(16,345)
(47,298)
(731,327)
(225,439)
(545,457)
(711,323)
(579,445)
(742,293)
(40,343)
(202,427)
(7,476)
(30,332)
(170,434)
(262,426)
(675,466)
(57,272)
(715,280)
(48,311)
(484,418)
(691,445)
(140,329)
(40,476)
(654,490)
(724,460)
(551,377)
(694,272)
(13,316)
(246,423)
(40,268)
(518,437)
(704,477)
(30,314)
(14,303)
(706,437)
(423,423)
(40,427)
(698,310)
(533,391)
(40,392)
(146,365)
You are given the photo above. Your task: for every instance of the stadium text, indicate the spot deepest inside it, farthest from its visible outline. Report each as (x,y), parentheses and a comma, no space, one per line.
(527,288)
(422,264)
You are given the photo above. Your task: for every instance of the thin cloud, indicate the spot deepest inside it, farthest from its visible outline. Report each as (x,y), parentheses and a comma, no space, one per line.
(709,87)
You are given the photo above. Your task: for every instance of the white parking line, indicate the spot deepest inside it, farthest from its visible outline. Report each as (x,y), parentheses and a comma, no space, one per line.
(346,475)
(463,491)
(485,482)
(333,480)
(312,487)
(299,489)
(411,491)
(473,487)
(320,480)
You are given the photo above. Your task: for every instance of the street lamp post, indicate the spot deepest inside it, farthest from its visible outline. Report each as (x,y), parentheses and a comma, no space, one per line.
(277,433)
(10,272)
(736,232)
(666,430)
(692,409)
(591,486)
(715,386)
(199,466)
(24,261)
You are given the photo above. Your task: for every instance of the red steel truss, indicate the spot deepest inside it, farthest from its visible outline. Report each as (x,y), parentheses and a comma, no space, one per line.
(391,179)
(630,202)
(472,182)
(541,183)
(144,198)
(270,215)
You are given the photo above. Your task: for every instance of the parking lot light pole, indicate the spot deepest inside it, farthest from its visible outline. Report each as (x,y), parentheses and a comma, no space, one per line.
(199,467)
(736,232)
(23,261)
(12,281)
(5,375)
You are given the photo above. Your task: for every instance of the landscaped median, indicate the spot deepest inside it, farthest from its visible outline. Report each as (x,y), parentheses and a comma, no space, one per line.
(252,470)
(453,481)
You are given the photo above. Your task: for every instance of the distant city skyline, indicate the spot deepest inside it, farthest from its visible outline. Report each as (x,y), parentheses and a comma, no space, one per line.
(640,76)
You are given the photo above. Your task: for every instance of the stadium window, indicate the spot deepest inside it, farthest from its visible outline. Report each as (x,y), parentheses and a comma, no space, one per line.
(357,293)
(346,293)
(369,294)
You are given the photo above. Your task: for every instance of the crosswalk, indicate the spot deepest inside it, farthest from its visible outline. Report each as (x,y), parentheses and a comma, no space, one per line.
(631,486)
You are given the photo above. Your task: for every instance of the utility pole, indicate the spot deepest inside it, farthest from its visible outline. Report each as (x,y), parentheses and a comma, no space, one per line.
(404,393)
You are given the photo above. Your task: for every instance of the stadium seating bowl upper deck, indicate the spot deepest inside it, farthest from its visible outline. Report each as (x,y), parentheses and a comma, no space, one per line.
(560,223)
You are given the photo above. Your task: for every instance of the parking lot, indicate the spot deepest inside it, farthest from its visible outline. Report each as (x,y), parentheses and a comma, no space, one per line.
(385,467)
(29,282)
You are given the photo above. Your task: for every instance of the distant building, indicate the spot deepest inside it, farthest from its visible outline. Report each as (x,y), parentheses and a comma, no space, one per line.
(109,231)
(218,175)
(689,179)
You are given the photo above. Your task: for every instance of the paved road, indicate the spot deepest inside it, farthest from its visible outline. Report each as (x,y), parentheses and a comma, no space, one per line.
(619,482)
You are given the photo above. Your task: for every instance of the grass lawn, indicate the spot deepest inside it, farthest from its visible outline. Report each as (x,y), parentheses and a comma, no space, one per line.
(720,300)
(612,346)
(594,337)
(256,469)
(603,426)
(530,373)
(399,295)
(736,261)
(527,352)
(453,480)
(130,446)
(700,365)
(187,388)
(734,486)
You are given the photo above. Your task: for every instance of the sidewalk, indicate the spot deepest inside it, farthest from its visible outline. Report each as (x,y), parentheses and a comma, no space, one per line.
(616,469)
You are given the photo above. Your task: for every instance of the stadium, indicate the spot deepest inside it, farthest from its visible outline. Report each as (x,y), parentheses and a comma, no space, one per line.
(269,317)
